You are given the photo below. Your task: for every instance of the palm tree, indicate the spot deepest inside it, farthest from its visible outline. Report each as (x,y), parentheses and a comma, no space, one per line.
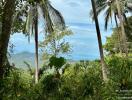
(52,18)
(110,8)
(7,18)
(104,68)
(122,27)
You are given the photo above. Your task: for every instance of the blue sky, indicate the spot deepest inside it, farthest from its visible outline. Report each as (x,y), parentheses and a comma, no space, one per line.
(83,41)
(73,10)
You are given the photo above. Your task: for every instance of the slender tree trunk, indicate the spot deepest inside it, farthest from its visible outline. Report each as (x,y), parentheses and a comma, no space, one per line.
(123,36)
(104,68)
(118,35)
(36,47)
(7,18)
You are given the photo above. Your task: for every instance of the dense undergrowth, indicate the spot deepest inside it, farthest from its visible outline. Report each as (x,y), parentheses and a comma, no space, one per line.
(79,81)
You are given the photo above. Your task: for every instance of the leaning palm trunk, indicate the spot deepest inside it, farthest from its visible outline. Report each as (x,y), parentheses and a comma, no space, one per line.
(7,17)
(36,45)
(123,36)
(104,68)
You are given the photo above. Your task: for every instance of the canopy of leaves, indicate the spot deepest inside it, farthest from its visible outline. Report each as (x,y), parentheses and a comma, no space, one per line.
(109,9)
(56,62)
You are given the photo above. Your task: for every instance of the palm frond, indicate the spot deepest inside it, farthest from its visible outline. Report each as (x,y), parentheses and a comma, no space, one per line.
(47,19)
(29,25)
(56,17)
(115,16)
(107,17)
(100,6)
(52,17)
(129,6)
(125,18)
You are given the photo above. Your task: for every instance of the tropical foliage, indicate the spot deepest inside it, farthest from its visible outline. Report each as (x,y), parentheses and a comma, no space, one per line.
(107,78)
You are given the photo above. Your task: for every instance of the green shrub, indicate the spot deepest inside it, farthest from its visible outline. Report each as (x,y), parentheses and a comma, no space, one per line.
(120,70)
(14,85)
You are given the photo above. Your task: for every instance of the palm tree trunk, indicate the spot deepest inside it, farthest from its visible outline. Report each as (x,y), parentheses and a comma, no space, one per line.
(7,19)
(118,35)
(36,47)
(104,68)
(123,37)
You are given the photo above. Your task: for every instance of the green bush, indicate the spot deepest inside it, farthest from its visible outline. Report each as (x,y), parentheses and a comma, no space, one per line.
(14,85)
(79,81)
(83,81)
(120,70)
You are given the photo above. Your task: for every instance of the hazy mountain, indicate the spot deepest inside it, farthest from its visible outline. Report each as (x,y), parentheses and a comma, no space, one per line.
(19,58)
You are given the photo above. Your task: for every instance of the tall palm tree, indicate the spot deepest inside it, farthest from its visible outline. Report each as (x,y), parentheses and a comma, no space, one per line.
(122,27)
(7,18)
(52,17)
(104,68)
(110,8)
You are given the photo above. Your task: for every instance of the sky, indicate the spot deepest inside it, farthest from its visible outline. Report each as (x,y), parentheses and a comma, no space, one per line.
(84,40)
(74,11)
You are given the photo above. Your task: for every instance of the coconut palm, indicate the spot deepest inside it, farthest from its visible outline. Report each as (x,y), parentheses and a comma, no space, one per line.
(123,38)
(51,16)
(104,68)
(109,8)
